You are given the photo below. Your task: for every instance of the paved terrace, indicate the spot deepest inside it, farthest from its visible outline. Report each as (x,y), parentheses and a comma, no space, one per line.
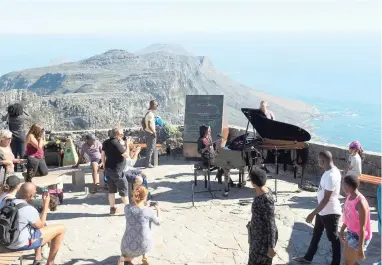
(212,232)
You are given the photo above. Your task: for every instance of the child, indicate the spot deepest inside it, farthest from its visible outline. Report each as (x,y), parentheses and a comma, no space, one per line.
(355,159)
(356,219)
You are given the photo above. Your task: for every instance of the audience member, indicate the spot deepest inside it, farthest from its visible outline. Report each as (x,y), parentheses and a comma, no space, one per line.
(137,239)
(9,189)
(262,230)
(355,159)
(35,142)
(113,157)
(328,211)
(33,230)
(133,154)
(356,220)
(7,158)
(93,149)
(150,132)
(16,117)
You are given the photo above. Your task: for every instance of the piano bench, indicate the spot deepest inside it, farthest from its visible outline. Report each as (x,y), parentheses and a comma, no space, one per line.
(200,168)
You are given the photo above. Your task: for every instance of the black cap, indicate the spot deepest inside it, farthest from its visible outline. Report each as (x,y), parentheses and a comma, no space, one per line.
(90,137)
(12,181)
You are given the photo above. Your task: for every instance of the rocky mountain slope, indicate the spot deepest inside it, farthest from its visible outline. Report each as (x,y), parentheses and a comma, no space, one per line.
(114,88)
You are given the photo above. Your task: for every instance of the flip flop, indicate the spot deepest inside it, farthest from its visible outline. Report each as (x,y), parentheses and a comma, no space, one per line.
(302,260)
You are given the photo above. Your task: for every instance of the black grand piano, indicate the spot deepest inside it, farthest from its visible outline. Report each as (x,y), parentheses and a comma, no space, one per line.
(276,138)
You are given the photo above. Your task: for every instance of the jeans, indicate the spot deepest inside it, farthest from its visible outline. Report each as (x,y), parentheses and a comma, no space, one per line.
(18,148)
(330,224)
(151,142)
(35,165)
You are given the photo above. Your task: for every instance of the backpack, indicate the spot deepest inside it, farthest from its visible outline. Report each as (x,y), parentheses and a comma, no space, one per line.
(9,222)
(143,122)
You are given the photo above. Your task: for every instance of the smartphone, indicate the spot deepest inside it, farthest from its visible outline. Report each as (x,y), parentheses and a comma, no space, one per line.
(44,189)
(153,204)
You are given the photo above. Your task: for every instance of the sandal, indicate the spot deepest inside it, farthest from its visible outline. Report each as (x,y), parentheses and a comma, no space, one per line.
(302,260)
(145,261)
(95,189)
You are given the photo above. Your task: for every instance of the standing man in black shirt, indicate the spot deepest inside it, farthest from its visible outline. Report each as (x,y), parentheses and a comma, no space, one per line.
(113,157)
(15,119)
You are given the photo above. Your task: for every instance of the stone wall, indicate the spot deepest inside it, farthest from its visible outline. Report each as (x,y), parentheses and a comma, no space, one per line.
(371,164)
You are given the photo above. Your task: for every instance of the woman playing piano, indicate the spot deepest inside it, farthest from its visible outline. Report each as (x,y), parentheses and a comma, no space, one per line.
(208,154)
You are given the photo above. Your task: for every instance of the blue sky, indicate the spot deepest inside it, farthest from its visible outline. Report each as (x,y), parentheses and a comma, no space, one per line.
(129,17)
(270,45)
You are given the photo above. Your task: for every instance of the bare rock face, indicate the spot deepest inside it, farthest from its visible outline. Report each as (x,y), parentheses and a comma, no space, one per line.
(114,88)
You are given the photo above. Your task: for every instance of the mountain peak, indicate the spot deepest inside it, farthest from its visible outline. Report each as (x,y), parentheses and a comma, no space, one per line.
(167,48)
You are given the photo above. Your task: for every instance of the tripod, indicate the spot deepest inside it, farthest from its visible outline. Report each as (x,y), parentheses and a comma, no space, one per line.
(209,189)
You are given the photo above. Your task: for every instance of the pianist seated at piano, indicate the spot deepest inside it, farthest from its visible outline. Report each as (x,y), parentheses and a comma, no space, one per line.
(264,109)
(268,114)
(208,153)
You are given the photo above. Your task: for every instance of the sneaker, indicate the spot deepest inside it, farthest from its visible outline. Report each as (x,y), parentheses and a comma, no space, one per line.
(225,194)
(114,211)
(149,166)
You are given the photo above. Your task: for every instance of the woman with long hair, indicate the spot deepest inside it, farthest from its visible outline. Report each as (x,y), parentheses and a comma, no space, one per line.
(34,152)
(208,154)
(355,159)
(137,240)
(356,220)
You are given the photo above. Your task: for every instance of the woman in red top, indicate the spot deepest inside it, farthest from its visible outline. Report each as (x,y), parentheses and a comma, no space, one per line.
(34,152)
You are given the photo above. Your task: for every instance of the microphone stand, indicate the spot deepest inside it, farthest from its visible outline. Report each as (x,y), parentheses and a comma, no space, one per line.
(209,189)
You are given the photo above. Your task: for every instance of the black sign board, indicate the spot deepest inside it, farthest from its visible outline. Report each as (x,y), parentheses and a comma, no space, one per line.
(203,109)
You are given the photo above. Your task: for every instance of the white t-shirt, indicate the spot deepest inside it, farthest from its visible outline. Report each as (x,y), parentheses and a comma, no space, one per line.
(150,118)
(355,162)
(330,181)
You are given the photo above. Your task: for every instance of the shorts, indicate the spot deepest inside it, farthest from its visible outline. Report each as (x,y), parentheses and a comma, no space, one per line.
(36,240)
(98,161)
(353,240)
(117,182)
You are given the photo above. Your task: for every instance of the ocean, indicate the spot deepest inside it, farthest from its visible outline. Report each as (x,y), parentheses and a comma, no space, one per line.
(339,73)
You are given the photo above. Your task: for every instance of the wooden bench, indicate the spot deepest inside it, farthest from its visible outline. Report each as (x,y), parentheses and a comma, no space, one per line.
(155,154)
(370,179)
(8,257)
(53,178)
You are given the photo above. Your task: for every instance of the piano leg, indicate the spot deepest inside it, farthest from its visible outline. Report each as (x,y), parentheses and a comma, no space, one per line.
(277,173)
(206,174)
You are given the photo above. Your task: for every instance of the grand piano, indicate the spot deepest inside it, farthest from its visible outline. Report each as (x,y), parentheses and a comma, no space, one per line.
(275,138)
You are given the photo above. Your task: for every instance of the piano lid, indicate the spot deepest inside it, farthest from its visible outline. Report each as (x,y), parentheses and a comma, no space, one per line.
(276,130)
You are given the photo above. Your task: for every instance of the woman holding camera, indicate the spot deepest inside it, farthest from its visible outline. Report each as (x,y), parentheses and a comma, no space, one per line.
(34,152)
(137,240)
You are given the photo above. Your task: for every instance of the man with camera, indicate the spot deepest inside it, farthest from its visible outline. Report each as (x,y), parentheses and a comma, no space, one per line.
(113,157)
(33,231)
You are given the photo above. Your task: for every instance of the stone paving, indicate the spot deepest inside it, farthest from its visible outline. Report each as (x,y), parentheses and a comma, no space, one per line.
(212,232)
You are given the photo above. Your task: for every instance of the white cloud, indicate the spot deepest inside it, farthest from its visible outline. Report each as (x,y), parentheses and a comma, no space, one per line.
(128,17)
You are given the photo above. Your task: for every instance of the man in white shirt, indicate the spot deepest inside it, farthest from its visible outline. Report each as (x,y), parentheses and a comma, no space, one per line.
(150,132)
(328,211)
